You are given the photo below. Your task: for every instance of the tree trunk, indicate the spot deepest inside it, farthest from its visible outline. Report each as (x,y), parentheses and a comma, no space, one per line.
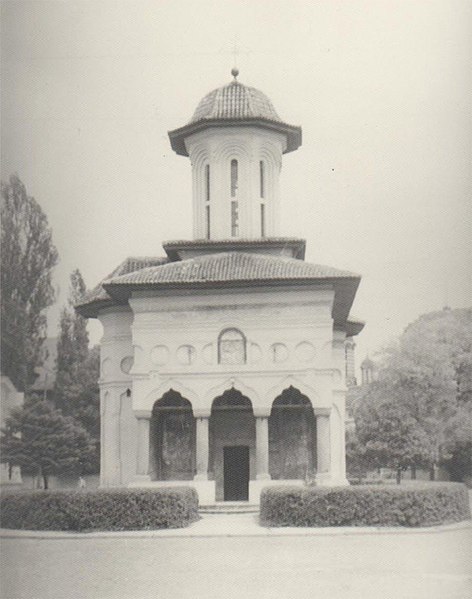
(432,473)
(39,477)
(413,472)
(399,476)
(46,481)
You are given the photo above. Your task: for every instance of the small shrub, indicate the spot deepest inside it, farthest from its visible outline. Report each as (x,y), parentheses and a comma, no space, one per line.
(365,505)
(124,509)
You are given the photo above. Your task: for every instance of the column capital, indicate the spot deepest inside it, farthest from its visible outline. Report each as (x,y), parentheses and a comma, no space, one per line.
(262,412)
(143,414)
(201,412)
(322,411)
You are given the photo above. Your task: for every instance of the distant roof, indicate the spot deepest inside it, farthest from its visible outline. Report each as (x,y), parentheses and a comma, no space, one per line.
(367,363)
(235,104)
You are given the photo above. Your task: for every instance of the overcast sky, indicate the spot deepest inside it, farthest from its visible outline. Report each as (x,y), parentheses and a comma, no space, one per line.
(382,89)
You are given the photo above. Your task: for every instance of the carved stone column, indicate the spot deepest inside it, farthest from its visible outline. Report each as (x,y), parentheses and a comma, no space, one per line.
(144,420)
(322,441)
(262,444)
(203,447)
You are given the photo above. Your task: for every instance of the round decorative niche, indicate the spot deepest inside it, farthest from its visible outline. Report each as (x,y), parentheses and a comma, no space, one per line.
(186,355)
(160,355)
(106,367)
(278,353)
(126,364)
(208,353)
(305,351)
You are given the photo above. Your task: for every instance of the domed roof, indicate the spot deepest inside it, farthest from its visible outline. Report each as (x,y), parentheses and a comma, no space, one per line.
(235,101)
(367,363)
(235,104)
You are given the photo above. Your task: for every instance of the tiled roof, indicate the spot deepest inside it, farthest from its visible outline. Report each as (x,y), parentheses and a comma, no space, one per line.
(239,105)
(228,267)
(220,269)
(235,101)
(98,295)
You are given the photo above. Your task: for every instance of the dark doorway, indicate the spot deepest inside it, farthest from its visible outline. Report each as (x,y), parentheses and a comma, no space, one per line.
(236,473)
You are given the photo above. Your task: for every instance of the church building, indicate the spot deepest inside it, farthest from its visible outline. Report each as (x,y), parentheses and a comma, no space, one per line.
(223,363)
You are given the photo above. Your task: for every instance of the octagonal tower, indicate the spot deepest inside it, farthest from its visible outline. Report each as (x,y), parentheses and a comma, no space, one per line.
(235,141)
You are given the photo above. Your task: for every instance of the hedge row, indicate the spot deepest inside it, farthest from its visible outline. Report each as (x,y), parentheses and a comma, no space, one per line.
(422,504)
(127,509)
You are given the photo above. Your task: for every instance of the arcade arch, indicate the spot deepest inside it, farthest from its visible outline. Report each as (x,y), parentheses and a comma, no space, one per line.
(292,436)
(172,438)
(232,438)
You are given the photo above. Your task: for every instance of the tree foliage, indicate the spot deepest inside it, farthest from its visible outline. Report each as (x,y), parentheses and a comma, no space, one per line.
(28,257)
(418,411)
(76,389)
(41,440)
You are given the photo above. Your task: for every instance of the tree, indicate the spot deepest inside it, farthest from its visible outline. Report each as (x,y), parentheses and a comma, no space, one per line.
(357,463)
(28,257)
(41,440)
(390,434)
(76,390)
(418,411)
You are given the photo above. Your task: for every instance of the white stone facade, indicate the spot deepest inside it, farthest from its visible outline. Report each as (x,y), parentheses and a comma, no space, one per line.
(223,366)
(290,343)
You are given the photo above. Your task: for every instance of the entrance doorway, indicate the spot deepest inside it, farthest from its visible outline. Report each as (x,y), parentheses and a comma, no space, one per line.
(236,473)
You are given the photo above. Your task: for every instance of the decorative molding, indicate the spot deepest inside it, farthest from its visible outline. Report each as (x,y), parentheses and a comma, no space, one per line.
(143,414)
(322,411)
(291,381)
(168,385)
(159,355)
(201,412)
(231,383)
(262,411)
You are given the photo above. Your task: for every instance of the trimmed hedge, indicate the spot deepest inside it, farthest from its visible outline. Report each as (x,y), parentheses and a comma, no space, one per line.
(124,509)
(420,504)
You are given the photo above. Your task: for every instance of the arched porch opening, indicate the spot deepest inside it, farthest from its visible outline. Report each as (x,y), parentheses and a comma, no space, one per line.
(172,438)
(292,436)
(232,457)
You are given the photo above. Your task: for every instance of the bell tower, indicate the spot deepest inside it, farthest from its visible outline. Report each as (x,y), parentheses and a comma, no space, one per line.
(235,141)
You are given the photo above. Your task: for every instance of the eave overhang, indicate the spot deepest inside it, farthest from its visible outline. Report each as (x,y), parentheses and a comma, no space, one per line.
(178,136)
(344,290)
(176,250)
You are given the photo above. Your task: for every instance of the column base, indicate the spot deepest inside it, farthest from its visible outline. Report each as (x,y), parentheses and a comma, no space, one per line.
(264,476)
(201,476)
(256,486)
(325,479)
(206,490)
(140,480)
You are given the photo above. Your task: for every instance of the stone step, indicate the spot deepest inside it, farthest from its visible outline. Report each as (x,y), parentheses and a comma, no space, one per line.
(229,507)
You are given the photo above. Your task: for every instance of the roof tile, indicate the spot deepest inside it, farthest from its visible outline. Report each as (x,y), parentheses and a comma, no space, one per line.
(228,267)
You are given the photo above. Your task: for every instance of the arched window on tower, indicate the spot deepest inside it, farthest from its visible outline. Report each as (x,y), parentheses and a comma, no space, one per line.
(207,200)
(234,177)
(231,347)
(263,221)
(262,184)
(234,202)
(262,179)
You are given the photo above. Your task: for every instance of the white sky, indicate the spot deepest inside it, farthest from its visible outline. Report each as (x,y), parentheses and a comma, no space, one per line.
(382,89)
